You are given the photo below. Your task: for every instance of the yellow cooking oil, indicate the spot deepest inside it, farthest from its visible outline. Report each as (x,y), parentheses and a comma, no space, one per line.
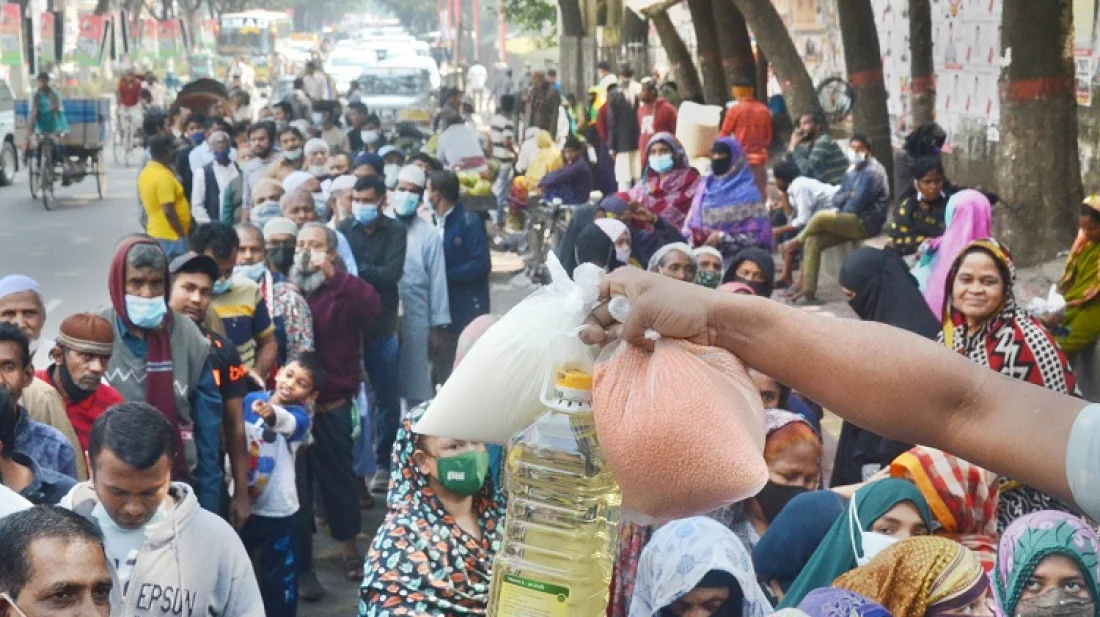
(558,550)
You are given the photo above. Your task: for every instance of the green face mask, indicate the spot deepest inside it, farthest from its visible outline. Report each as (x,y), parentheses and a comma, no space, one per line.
(463,474)
(708,279)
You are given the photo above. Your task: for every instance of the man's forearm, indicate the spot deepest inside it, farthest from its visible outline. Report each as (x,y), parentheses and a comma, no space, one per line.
(235,443)
(173,220)
(905,387)
(266,355)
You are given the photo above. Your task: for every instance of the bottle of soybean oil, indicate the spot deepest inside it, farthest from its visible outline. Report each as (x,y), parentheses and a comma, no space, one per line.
(563,513)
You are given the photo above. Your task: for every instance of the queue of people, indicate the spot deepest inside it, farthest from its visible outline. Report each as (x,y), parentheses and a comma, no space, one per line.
(300,290)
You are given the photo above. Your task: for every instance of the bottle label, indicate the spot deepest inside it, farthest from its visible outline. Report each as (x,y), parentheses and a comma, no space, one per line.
(524,597)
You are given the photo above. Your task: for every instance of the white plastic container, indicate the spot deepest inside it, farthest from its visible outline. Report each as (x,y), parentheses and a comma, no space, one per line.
(697,128)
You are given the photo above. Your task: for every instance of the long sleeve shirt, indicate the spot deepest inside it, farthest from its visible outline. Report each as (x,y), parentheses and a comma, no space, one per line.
(751,123)
(380,257)
(223,174)
(808,197)
(572,183)
(660,117)
(865,194)
(45,444)
(466,251)
(342,311)
(821,160)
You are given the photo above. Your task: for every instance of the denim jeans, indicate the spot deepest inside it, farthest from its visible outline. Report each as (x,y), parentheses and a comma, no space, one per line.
(173,248)
(380,360)
(276,541)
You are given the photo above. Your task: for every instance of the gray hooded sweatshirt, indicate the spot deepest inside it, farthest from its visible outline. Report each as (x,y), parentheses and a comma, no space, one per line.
(193,564)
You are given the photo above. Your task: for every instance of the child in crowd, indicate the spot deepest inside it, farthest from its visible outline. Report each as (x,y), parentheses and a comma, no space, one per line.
(275,424)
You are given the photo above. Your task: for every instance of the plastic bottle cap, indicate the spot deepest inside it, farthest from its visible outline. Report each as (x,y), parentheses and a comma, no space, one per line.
(573,379)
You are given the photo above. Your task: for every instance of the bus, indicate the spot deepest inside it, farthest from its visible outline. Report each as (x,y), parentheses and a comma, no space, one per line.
(261,35)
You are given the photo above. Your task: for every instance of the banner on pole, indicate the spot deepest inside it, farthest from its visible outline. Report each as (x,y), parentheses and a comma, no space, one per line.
(11,51)
(47,46)
(89,42)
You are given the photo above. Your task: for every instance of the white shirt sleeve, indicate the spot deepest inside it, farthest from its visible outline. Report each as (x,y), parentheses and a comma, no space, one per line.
(198,198)
(802,202)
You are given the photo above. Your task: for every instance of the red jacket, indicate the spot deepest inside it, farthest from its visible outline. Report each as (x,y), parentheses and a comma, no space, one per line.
(658,117)
(751,123)
(82,414)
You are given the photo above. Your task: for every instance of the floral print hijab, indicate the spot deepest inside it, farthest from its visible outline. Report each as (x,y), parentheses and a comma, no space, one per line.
(421,562)
(1036,536)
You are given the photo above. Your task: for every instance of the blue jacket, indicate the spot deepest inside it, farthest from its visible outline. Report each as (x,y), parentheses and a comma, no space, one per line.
(466,252)
(865,192)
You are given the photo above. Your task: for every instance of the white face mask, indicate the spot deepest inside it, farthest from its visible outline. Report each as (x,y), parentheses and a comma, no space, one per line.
(623,255)
(873,543)
(855,158)
(368,137)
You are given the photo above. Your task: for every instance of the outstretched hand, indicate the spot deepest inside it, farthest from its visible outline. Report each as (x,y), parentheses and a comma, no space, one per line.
(672,308)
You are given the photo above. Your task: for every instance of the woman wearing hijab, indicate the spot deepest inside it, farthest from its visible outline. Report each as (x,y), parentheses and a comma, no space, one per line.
(832,602)
(969,216)
(754,267)
(709,273)
(674,261)
(728,211)
(669,182)
(923,577)
(696,567)
(792,538)
(963,497)
(879,288)
(1080,285)
(879,512)
(649,232)
(921,209)
(434,551)
(1047,566)
(982,322)
(604,243)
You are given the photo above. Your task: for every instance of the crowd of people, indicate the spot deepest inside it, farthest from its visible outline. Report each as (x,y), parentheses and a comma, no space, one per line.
(301,288)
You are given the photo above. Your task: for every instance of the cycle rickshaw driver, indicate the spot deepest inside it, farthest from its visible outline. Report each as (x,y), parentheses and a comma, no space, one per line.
(47,115)
(130,109)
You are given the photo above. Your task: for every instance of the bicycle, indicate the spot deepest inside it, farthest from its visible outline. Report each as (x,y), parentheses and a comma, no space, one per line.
(544,228)
(51,159)
(40,168)
(125,138)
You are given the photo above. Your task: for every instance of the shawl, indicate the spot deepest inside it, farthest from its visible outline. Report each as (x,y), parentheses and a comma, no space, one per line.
(680,554)
(794,535)
(968,219)
(886,292)
(963,497)
(835,555)
(763,260)
(920,576)
(832,602)
(421,563)
(669,196)
(731,203)
(1030,539)
(160,388)
(1012,342)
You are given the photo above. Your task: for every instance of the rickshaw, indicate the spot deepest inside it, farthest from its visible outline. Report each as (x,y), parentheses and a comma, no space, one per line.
(70,156)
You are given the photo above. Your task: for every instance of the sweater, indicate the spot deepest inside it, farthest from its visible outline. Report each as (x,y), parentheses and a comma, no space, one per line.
(380,260)
(342,310)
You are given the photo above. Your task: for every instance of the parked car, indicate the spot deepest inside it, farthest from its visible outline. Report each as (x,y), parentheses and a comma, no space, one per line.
(9,159)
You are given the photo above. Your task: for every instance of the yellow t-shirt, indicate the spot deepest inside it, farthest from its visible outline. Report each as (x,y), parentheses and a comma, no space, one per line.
(157,185)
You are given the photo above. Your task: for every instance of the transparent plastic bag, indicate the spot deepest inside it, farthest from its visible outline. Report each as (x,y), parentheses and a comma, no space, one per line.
(495,391)
(682,427)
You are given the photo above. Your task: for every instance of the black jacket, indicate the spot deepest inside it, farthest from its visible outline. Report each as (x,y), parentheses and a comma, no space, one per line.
(380,258)
(622,124)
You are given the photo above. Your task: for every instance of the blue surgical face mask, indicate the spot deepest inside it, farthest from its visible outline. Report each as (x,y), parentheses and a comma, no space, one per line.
(292,155)
(197,138)
(253,272)
(222,157)
(391,172)
(320,204)
(222,285)
(145,313)
(363,212)
(405,203)
(661,163)
(318,119)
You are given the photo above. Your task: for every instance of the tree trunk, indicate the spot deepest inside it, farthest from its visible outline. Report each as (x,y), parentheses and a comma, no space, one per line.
(775,41)
(679,58)
(101,7)
(1038,170)
(636,42)
(572,23)
(733,42)
(761,76)
(922,85)
(861,54)
(710,54)
(613,34)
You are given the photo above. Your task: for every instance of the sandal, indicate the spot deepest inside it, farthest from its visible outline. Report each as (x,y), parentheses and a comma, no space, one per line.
(353,568)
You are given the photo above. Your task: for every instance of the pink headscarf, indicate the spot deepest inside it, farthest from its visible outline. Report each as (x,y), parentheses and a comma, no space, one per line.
(968,219)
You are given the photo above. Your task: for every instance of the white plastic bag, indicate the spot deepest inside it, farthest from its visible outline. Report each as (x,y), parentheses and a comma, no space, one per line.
(1053,304)
(495,391)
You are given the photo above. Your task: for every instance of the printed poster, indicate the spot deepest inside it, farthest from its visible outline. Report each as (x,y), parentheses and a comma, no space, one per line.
(1084,65)
(149,49)
(11,51)
(47,46)
(89,39)
(168,32)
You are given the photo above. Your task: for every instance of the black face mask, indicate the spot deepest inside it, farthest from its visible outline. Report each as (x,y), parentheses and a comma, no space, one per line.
(281,257)
(722,166)
(73,392)
(774,497)
(758,288)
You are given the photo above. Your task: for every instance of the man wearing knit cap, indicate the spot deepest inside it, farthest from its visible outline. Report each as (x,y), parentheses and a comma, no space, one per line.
(426,309)
(21,304)
(80,359)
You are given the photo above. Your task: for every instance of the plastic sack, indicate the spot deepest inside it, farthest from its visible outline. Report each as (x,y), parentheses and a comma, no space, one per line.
(495,391)
(697,128)
(682,427)
(1053,304)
